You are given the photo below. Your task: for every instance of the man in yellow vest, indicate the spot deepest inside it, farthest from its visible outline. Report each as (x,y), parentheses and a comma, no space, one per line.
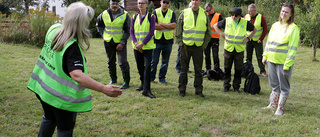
(113,25)
(165,24)
(235,31)
(193,34)
(214,42)
(257,40)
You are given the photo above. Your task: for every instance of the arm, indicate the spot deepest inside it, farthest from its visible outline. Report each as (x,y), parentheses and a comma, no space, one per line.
(133,37)
(292,48)
(265,29)
(100,25)
(207,36)
(126,33)
(218,26)
(252,28)
(151,33)
(90,83)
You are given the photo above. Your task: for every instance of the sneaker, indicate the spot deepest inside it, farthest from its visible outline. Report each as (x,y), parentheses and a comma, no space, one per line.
(163,81)
(264,74)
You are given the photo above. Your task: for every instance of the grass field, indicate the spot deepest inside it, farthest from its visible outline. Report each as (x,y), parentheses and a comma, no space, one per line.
(131,114)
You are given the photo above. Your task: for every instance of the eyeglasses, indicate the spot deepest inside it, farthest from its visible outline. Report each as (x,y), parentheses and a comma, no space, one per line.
(141,3)
(165,2)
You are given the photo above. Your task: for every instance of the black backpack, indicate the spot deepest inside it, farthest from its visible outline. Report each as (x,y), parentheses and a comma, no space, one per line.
(215,74)
(252,84)
(246,69)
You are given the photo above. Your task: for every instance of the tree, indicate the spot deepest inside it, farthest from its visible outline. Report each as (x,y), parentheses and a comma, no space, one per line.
(68,2)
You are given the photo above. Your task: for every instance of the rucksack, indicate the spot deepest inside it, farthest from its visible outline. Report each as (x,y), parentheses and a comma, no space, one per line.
(246,69)
(252,84)
(215,74)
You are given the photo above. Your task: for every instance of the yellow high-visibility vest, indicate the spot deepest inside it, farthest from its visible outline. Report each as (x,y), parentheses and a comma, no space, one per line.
(141,32)
(168,33)
(235,36)
(257,24)
(113,29)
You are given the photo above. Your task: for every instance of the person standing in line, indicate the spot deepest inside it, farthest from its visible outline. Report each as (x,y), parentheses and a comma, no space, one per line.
(279,55)
(178,64)
(113,25)
(60,78)
(193,34)
(165,24)
(257,40)
(235,31)
(214,42)
(142,34)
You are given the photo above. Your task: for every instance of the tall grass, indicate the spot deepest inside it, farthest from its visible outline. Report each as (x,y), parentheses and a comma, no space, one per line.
(131,114)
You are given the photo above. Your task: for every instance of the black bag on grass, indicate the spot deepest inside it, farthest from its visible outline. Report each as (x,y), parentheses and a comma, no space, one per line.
(246,69)
(252,84)
(215,75)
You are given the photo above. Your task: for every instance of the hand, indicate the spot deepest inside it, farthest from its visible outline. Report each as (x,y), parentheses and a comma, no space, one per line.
(245,40)
(119,47)
(259,41)
(111,91)
(264,62)
(223,36)
(139,47)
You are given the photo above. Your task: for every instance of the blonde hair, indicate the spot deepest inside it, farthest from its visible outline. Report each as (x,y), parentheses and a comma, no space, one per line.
(75,25)
(252,6)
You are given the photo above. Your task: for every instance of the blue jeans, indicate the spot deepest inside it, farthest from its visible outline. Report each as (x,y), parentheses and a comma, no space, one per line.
(165,50)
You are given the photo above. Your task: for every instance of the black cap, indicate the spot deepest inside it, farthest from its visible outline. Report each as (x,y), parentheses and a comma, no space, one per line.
(237,11)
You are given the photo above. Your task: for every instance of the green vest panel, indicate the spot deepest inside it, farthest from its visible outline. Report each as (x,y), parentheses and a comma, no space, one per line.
(257,24)
(235,36)
(113,29)
(168,33)
(50,82)
(194,34)
(141,32)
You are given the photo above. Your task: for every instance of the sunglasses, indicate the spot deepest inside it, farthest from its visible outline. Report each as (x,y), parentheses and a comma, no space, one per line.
(165,2)
(234,15)
(208,10)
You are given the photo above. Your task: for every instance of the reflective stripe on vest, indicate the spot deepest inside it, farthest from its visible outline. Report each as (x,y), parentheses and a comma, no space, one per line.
(235,36)
(168,33)
(214,20)
(113,29)
(194,35)
(257,24)
(277,48)
(141,32)
(51,83)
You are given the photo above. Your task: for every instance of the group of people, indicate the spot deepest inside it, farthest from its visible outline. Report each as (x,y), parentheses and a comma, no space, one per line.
(60,79)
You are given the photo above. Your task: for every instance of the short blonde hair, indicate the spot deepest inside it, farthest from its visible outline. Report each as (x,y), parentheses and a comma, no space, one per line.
(75,25)
(252,6)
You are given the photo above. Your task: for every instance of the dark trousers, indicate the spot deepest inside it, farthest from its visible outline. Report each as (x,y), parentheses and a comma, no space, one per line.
(258,47)
(236,59)
(197,57)
(54,117)
(111,51)
(178,64)
(214,46)
(143,61)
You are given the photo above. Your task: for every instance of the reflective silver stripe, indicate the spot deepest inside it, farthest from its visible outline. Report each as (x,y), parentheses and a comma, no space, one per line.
(233,42)
(59,79)
(141,33)
(257,35)
(259,30)
(194,31)
(58,94)
(290,57)
(212,32)
(234,37)
(108,27)
(293,48)
(193,39)
(113,33)
(276,43)
(165,30)
(278,50)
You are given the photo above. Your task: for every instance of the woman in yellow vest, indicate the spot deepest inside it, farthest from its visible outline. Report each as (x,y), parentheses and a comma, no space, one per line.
(279,54)
(142,34)
(60,78)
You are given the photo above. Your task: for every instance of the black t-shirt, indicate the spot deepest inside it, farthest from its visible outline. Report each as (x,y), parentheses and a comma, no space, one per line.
(72,59)
(163,40)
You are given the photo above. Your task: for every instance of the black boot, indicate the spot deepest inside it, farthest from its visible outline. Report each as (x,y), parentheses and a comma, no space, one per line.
(113,75)
(140,88)
(148,93)
(199,94)
(126,80)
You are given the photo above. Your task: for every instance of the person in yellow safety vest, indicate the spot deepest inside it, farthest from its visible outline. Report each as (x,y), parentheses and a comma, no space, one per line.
(235,31)
(60,79)
(113,25)
(193,34)
(256,43)
(165,24)
(214,42)
(279,55)
(142,35)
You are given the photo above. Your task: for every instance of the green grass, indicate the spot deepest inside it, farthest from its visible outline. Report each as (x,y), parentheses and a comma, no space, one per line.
(131,114)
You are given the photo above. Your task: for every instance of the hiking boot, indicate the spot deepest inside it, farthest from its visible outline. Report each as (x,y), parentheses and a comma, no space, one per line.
(163,81)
